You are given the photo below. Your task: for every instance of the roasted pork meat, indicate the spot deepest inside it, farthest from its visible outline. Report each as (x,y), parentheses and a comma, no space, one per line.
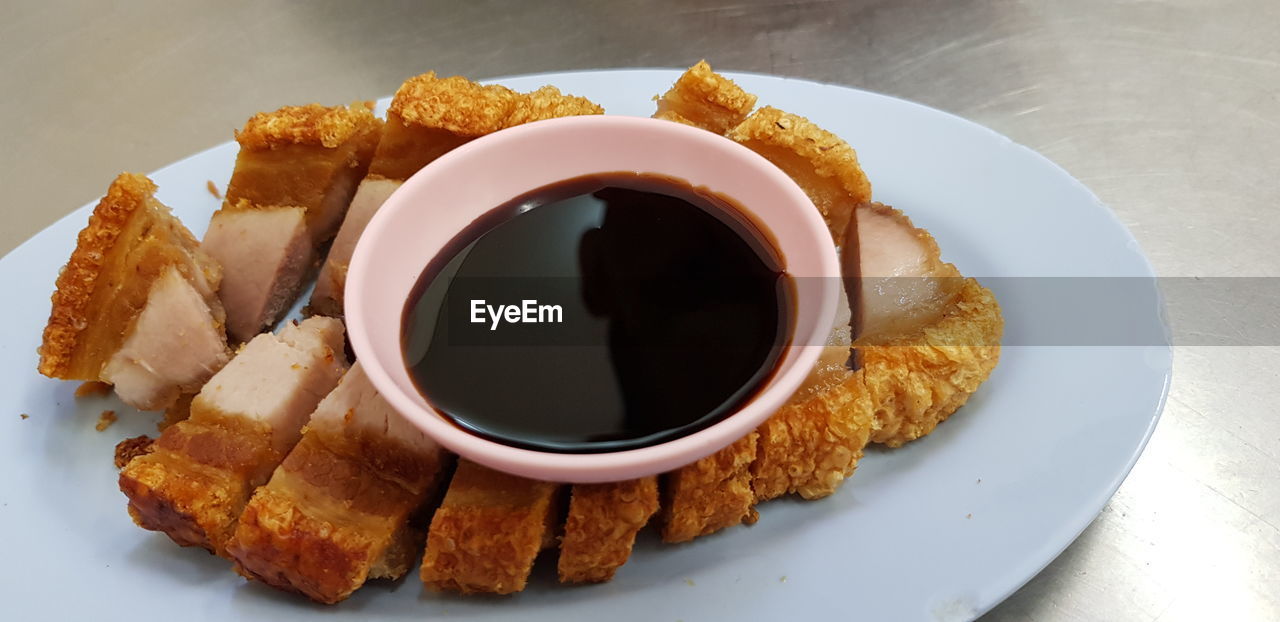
(293,181)
(338,510)
(198,478)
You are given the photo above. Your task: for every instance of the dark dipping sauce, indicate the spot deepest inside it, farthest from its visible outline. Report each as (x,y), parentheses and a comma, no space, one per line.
(675,311)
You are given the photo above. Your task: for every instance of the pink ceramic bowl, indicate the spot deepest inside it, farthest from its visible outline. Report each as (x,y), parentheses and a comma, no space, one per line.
(443,198)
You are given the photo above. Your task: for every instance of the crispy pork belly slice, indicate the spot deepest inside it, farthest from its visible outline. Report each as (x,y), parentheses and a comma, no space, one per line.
(430,116)
(337,510)
(372,193)
(927,337)
(710,494)
(244,421)
(487,533)
(130,242)
(703,98)
(812,444)
(821,163)
(601,527)
(305,156)
(266,255)
(175,345)
(918,379)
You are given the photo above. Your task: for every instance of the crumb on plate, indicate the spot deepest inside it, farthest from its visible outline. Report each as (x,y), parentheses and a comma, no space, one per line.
(213,189)
(105,420)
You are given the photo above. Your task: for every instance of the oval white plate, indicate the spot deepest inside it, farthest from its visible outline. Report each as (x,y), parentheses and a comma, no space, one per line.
(944,528)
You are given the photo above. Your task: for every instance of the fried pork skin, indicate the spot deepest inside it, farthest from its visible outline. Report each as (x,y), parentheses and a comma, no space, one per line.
(196,481)
(821,163)
(175,345)
(266,255)
(131,241)
(710,494)
(488,531)
(428,117)
(601,527)
(811,445)
(337,510)
(703,98)
(304,156)
(917,380)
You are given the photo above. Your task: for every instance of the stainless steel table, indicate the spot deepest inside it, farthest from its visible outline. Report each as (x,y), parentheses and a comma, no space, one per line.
(1170,111)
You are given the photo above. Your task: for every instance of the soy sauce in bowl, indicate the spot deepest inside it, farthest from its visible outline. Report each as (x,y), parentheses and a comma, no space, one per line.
(601,313)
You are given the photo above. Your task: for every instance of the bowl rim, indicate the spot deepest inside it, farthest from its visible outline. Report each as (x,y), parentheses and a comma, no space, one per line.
(795,364)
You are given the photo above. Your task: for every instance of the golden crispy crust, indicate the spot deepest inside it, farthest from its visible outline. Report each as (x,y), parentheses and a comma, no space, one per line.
(430,116)
(487,533)
(197,479)
(330,518)
(601,527)
(129,241)
(311,124)
(705,99)
(460,106)
(917,380)
(549,103)
(810,447)
(710,494)
(822,164)
(455,104)
(130,448)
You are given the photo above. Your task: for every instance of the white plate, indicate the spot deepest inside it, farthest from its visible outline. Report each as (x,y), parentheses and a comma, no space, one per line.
(941,529)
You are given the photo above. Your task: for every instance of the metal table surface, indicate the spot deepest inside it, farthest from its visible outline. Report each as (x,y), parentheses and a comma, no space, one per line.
(1168,110)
